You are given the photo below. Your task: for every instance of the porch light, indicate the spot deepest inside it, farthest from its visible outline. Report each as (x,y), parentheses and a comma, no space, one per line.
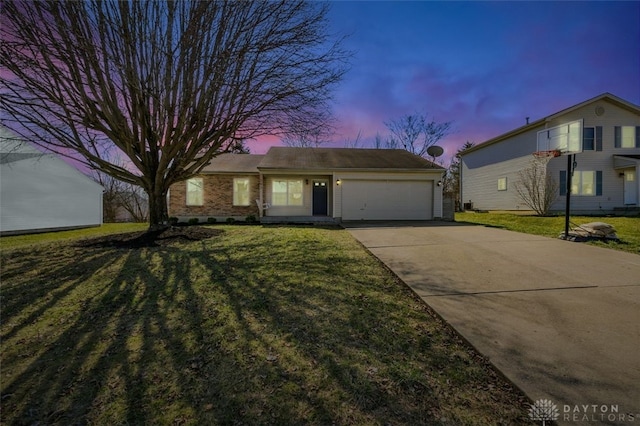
(439,183)
(338,182)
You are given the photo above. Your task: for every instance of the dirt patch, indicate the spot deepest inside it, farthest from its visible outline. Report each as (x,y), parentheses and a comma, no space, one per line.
(166,237)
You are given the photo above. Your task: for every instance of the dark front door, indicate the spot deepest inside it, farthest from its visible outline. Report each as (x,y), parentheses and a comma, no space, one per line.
(320,198)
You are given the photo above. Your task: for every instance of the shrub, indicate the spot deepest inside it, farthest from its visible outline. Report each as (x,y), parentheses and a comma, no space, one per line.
(230,220)
(211,220)
(193,221)
(173,220)
(251,219)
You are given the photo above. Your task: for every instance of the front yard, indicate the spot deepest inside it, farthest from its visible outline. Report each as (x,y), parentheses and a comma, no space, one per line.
(257,325)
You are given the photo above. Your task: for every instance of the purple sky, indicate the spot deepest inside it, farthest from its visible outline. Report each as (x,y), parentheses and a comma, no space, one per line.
(483,65)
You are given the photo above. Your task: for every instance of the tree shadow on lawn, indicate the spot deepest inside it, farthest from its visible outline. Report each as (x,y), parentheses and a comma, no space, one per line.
(206,333)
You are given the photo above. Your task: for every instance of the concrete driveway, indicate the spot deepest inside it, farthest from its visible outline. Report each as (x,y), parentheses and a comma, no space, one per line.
(560,319)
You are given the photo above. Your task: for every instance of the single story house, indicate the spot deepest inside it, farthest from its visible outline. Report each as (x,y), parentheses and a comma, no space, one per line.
(312,185)
(606,172)
(40,192)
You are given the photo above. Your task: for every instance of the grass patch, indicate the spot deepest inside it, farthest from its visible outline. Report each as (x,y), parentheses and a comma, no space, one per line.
(15,241)
(258,325)
(627,228)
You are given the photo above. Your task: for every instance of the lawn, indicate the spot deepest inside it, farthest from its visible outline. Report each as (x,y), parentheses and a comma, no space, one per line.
(627,228)
(257,325)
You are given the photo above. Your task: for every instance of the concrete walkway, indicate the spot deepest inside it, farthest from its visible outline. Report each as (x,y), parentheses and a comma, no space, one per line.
(559,319)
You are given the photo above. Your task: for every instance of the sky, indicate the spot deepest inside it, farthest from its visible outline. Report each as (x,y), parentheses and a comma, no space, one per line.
(485,66)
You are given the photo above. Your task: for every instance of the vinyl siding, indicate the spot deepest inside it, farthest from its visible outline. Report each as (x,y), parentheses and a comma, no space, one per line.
(482,168)
(43,192)
(307,195)
(612,183)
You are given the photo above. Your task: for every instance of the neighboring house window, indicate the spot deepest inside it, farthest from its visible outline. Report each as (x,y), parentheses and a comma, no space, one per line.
(287,192)
(195,192)
(241,192)
(502,184)
(592,138)
(627,137)
(585,182)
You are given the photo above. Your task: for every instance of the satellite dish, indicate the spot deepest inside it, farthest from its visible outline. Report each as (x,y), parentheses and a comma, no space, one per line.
(435,151)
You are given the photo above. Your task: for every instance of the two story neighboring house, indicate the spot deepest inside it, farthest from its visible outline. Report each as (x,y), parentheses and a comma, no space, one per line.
(606,173)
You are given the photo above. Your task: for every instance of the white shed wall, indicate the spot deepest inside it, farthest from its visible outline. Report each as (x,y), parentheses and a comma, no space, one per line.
(43,192)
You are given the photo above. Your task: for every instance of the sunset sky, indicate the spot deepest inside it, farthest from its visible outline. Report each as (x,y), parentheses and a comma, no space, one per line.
(483,65)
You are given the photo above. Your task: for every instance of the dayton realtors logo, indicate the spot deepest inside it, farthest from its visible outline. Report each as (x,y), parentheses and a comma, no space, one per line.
(545,410)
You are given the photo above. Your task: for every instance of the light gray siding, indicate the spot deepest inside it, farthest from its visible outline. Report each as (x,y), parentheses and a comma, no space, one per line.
(481,170)
(612,182)
(482,167)
(41,192)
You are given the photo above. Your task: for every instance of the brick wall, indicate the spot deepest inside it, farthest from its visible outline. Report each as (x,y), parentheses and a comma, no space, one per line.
(218,199)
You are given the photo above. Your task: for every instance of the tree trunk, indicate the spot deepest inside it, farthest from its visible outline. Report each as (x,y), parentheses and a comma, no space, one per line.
(158,212)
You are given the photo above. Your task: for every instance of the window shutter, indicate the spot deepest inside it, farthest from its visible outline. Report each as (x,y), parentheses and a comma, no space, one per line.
(618,139)
(599,182)
(599,138)
(563,182)
(637,136)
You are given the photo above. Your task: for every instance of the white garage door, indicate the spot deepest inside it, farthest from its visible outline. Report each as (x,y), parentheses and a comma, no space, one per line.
(387,200)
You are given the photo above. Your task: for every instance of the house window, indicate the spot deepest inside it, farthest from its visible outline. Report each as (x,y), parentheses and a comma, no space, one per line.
(241,192)
(592,138)
(502,184)
(627,137)
(588,139)
(583,183)
(287,192)
(195,192)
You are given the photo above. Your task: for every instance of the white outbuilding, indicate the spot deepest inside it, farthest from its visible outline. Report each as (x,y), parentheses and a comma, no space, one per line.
(40,192)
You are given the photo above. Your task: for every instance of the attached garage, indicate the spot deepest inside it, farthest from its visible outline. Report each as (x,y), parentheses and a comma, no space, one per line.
(387,200)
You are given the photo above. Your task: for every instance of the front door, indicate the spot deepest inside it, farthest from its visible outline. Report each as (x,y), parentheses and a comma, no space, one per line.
(320,198)
(630,188)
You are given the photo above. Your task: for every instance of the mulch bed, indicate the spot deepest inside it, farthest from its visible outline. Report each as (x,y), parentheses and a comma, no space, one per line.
(163,238)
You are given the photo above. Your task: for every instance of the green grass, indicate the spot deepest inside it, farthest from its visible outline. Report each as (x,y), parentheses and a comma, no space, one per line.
(258,325)
(50,237)
(627,228)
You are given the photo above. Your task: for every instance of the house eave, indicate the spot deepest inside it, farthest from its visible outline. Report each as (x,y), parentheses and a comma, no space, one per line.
(605,96)
(268,170)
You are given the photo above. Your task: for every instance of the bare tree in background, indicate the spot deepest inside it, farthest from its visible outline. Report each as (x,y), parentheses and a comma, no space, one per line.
(166,85)
(415,133)
(309,136)
(122,201)
(536,188)
(354,143)
(451,180)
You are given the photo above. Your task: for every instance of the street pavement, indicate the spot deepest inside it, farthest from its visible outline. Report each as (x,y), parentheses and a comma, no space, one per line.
(560,319)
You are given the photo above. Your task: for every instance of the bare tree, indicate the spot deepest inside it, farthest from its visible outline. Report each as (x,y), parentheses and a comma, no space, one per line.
(536,188)
(121,198)
(381,142)
(167,85)
(415,133)
(309,135)
(354,143)
(451,180)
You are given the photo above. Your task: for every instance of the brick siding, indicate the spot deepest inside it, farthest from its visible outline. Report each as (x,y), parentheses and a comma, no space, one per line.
(218,198)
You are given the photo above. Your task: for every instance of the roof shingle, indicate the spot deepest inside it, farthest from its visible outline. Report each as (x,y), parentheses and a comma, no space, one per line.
(343,158)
